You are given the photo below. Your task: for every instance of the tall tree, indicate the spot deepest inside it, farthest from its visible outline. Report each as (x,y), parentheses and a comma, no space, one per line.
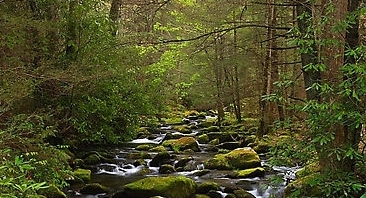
(335,102)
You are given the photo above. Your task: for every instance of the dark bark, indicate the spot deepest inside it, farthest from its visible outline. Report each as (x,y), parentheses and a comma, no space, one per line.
(310,76)
(237,101)
(115,15)
(71,37)
(270,74)
(219,81)
(352,134)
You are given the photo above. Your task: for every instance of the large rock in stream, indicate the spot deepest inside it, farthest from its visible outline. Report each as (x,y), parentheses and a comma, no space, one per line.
(171,186)
(183,143)
(240,158)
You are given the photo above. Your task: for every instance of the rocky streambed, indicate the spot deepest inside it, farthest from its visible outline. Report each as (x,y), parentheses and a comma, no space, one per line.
(190,159)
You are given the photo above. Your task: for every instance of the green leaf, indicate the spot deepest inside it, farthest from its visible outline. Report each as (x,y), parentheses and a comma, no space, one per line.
(355,95)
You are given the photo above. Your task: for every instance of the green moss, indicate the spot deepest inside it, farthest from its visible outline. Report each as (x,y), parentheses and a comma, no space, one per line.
(52,192)
(182,128)
(203,139)
(92,159)
(172,186)
(158,149)
(143,130)
(143,147)
(243,158)
(262,147)
(209,122)
(241,193)
(307,170)
(218,162)
(201,196)
(251,172)
(168,143)
(83,174)
(191,113)
(92,189)
(173,120)
(205,187)
(166,169)
(303,187)
(185,143)
(214,142)
(140,155)
(212,129)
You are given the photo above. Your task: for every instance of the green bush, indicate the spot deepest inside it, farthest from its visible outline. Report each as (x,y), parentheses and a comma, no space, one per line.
(28,164)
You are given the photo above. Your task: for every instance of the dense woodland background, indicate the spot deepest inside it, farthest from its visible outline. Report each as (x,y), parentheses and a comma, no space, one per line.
(77,73)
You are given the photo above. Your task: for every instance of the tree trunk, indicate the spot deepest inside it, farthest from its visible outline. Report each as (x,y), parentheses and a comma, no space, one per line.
(71,37)
(115,15)
(311,57)
(270,73)
(219,81)
(237,102)
(352,134)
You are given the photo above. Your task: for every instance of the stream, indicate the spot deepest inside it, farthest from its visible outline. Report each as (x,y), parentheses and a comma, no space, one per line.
(124,170)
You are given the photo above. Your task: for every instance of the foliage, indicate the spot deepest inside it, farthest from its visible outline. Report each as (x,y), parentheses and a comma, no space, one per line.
(110,112)
(338,108)
(291,151)
(28,164)
(16,178)
(331,184)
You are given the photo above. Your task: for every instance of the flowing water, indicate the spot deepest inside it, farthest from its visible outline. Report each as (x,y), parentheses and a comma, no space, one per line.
(116,175)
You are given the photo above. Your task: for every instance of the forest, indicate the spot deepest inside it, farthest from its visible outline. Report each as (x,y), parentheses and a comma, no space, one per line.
(213,89)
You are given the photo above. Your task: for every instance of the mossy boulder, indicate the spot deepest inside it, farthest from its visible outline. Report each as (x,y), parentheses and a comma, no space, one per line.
(77,163)
(182,128)
(139,162)
(166,169)
(243,158)
(183,162)
(212,129)
(307,170)
(218,162)
(240,158)
(191,113)
(158,149)
(205,187)
(74,180)
(203,139)
(92,159)
(143,147)
(161,158)
(93,189)
(200,196)
(208,122)
(139,155)
(241,193)
(224,136)
(143,130)
(251,172)
(171,186)
(214,141)
(250,139)
(214,194)
(185,143)
(302,186)
(83,174)
(262,147)
(52,192)
(169,143)
(96,157)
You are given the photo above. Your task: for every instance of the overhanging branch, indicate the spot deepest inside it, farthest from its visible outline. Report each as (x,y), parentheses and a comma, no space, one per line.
(216,32)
